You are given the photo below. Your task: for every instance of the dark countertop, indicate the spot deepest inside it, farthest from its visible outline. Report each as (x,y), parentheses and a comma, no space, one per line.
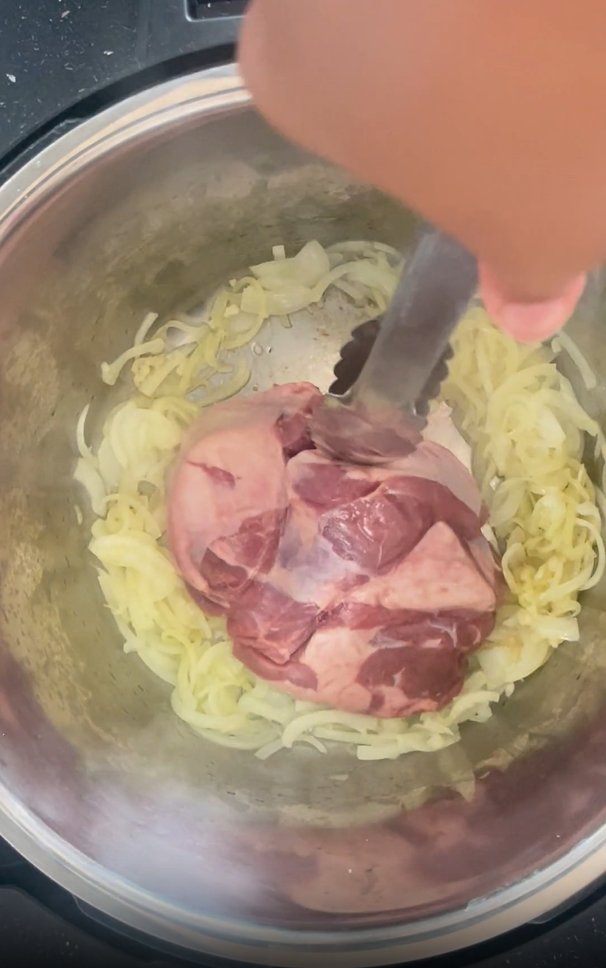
(55,54)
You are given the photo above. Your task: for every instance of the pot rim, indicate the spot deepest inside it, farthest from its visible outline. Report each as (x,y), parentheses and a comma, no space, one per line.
(175,104)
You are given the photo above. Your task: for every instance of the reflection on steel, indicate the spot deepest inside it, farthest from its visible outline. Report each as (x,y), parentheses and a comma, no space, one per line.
(147,207)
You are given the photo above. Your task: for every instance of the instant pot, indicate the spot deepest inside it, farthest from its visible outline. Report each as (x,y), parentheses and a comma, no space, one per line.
(136,175)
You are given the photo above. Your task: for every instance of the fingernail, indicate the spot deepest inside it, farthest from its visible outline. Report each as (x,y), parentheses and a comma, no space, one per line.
(533,322)
(529,322)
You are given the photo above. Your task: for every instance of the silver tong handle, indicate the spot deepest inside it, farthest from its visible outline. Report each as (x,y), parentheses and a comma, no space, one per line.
(434,291)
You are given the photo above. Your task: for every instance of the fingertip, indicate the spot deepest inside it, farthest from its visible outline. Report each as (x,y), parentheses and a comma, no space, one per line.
(528,322)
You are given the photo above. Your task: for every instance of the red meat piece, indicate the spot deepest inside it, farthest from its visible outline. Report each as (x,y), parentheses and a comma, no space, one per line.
(362,587)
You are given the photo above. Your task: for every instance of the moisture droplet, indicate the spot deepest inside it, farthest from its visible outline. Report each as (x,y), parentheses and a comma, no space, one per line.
(257,350)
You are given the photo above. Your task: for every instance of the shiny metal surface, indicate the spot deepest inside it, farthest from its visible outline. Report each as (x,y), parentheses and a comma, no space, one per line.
(383,414)
(149,206)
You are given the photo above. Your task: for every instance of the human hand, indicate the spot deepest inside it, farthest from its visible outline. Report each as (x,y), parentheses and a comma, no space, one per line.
(484,117)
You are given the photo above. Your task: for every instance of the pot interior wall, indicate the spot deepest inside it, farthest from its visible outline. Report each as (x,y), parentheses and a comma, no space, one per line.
(90,744)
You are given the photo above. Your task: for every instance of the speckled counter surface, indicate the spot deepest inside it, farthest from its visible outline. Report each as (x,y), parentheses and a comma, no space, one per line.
(58,56)
(61,60)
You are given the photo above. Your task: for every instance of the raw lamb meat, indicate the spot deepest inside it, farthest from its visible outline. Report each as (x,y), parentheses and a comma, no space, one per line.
(361,587)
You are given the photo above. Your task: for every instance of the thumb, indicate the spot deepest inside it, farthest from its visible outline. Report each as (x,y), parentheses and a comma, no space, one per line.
(528,322)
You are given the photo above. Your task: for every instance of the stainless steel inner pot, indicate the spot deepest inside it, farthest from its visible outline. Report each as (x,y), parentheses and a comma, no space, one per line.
(148,206)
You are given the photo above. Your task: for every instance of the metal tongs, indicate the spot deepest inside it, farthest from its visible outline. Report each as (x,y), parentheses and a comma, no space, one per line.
(391,368)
